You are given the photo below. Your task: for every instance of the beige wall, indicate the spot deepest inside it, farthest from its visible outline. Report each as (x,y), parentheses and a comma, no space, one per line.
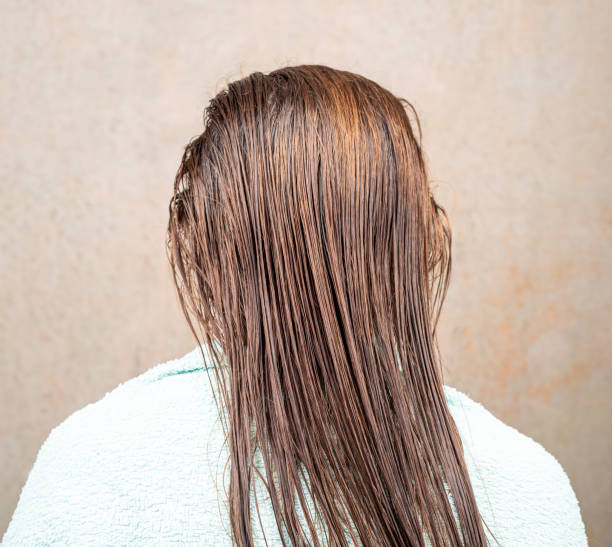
(98,98)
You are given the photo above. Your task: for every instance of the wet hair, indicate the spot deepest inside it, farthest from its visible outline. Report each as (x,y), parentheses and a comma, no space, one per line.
(311,259)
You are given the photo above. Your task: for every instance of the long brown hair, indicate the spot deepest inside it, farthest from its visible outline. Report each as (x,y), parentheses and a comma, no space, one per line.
(305,241)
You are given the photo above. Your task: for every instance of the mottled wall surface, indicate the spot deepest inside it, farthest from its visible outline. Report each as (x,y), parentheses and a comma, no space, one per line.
(98,98)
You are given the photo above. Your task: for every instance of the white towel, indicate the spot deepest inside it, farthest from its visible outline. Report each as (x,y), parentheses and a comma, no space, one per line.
(142,467)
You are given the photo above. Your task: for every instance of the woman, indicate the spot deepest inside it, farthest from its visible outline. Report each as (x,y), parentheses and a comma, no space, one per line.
(311,261)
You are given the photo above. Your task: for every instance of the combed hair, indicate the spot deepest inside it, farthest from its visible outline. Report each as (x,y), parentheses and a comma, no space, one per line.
(311,256)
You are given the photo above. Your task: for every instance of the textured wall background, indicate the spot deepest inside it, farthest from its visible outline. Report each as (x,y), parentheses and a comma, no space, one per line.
(98,98)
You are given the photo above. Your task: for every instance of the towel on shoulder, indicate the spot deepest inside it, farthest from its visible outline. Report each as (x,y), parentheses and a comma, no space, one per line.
(144,465)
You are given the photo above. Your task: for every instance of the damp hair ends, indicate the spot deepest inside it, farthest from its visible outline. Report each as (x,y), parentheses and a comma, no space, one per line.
(311,259)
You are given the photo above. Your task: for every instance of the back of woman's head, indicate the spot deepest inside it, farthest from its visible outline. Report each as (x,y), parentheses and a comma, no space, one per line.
(307,246)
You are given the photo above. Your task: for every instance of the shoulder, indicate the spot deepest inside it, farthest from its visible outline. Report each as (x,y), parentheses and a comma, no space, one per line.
(522,491)
(129,467)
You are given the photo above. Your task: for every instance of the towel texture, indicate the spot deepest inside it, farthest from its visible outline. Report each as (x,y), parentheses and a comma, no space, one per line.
(144,465)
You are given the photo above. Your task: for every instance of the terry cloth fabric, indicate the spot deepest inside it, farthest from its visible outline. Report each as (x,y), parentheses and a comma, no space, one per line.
(144,466)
